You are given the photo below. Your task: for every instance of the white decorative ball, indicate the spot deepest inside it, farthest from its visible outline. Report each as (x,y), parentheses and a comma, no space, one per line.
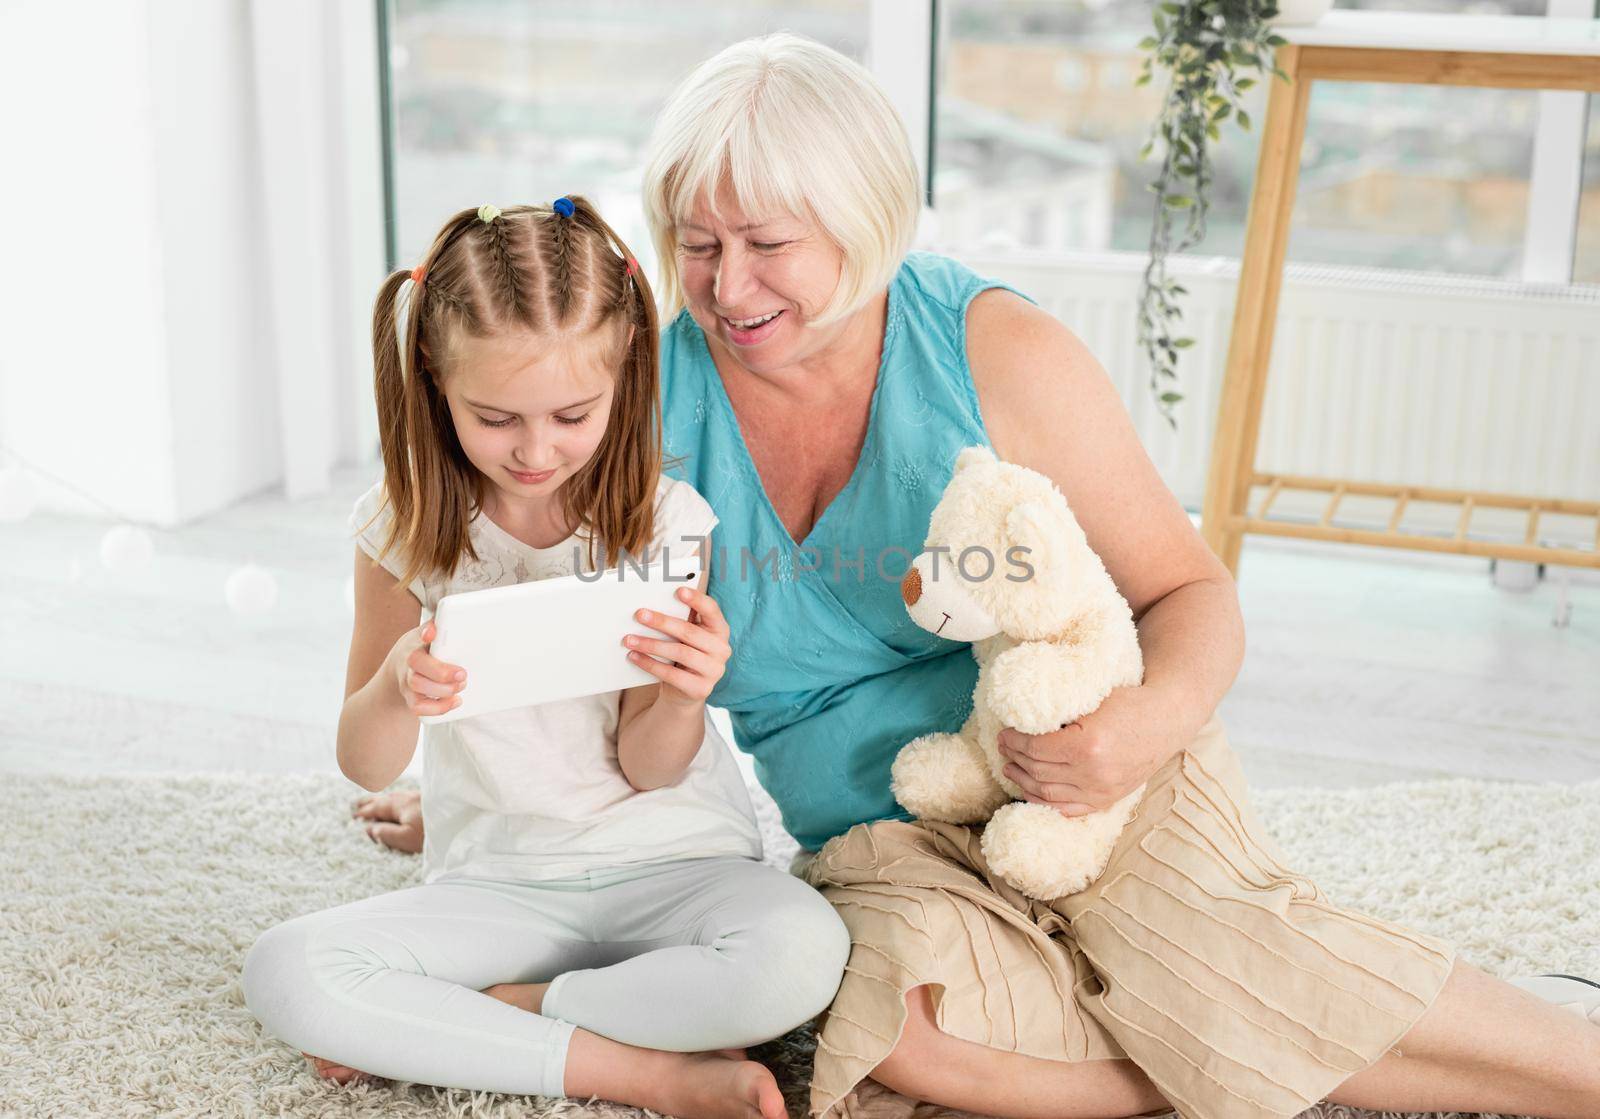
(17,497)
(126,549)
(251,590)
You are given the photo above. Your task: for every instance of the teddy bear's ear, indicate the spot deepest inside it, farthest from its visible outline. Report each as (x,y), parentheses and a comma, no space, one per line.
(1038,528)
(972,456)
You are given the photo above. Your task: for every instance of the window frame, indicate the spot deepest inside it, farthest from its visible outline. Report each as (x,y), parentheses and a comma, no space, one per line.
(903,41)
(1555,176)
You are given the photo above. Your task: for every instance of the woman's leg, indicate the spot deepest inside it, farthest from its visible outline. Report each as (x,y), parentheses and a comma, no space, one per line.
(1230,979)
(722,953)
(1484,1045)
(929,1064)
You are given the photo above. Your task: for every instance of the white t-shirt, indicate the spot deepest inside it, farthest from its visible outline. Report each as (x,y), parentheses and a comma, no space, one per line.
(536,793)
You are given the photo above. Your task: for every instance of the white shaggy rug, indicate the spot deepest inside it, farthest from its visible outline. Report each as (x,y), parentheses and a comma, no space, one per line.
(127,905)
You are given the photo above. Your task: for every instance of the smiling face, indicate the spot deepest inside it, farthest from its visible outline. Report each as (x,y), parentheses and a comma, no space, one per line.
(530,411)
(755,282)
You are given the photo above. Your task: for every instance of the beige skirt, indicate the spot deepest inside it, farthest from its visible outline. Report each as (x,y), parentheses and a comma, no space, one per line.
(1237,988)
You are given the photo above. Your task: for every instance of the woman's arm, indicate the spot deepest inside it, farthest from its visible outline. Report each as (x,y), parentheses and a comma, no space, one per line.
(1048,405)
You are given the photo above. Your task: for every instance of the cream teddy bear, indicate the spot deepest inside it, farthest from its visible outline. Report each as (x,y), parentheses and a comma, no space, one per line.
(1007,568)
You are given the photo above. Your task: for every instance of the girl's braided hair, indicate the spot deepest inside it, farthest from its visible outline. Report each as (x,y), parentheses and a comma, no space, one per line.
(551,271)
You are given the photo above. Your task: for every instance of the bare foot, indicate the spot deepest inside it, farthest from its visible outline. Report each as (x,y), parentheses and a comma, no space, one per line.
(339,1074)
(722,1087)
(396,819)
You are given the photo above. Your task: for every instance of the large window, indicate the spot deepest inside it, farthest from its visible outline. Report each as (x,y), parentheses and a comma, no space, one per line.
(1040,125)
(511,101)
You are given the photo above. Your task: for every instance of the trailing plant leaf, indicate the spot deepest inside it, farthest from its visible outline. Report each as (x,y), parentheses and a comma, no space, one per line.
(1203,45)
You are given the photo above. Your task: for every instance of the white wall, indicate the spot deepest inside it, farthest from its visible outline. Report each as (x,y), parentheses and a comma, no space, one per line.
(83,361)
(174,284)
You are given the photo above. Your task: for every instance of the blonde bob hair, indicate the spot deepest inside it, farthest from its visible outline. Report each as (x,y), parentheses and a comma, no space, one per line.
(795,128)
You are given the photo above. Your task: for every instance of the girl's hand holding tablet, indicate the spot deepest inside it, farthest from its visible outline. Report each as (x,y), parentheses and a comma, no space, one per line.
(699,649)
(427,684)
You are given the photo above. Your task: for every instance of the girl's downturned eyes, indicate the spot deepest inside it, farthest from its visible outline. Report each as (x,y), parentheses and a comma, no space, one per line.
(509,420)
(767,247)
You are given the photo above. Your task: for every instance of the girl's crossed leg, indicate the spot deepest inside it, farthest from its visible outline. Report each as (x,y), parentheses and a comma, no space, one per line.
(713,954)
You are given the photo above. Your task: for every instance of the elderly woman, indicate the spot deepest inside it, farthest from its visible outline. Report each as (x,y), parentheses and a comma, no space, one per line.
(818,384)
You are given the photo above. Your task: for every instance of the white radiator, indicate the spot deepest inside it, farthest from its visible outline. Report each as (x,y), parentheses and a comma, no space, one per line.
(1455,382)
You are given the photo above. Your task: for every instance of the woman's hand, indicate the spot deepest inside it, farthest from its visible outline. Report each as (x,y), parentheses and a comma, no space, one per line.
(699,649)
(1091,764)
(427,685)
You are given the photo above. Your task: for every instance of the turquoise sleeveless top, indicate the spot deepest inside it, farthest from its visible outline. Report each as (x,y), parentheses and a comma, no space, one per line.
(829,676)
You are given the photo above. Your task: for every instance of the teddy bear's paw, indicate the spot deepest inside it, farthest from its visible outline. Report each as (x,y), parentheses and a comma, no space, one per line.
(945,777)
(1046,855)
(1038,688)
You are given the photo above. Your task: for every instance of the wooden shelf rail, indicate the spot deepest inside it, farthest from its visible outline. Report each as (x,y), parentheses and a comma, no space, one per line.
(1459,542)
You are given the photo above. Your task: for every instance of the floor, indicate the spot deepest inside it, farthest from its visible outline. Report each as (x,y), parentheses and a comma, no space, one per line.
(1364,667)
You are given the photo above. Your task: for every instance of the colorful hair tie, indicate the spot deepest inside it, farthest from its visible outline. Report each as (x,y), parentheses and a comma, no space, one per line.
(417,273)
(487,213)
(633,267)
(563,206)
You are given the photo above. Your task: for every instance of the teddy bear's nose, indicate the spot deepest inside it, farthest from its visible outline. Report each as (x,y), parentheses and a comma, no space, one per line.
(911,587)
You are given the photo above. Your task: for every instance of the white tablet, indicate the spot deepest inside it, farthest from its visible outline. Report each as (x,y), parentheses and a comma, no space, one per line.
(553,639)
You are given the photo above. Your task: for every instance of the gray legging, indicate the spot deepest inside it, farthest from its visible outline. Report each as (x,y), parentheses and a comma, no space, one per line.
(687,956)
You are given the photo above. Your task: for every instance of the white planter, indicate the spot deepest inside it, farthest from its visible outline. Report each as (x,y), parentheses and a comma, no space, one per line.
(1299,13)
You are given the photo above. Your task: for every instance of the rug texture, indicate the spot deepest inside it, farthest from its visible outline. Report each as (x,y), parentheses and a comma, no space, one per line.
(129,904)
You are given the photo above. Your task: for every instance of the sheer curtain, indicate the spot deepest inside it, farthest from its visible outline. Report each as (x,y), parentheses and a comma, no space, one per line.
(315,70)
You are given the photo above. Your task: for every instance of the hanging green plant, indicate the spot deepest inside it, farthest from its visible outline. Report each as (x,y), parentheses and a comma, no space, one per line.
(1206,46)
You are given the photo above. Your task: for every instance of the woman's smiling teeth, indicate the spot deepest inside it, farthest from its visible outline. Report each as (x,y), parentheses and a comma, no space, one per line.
(751,324)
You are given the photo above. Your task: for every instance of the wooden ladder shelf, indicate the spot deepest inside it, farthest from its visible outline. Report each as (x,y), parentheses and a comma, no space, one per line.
(1526,547)
(1500,51)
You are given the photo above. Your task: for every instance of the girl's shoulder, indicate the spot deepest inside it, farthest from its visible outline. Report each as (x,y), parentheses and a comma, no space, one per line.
(498,560)
(369,523)
(369,506)
(680,512)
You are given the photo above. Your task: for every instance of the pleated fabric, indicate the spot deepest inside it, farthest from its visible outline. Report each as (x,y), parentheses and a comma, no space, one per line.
(1231,981)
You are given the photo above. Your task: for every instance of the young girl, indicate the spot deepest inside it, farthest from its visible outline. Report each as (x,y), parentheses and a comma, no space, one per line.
(595,920)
